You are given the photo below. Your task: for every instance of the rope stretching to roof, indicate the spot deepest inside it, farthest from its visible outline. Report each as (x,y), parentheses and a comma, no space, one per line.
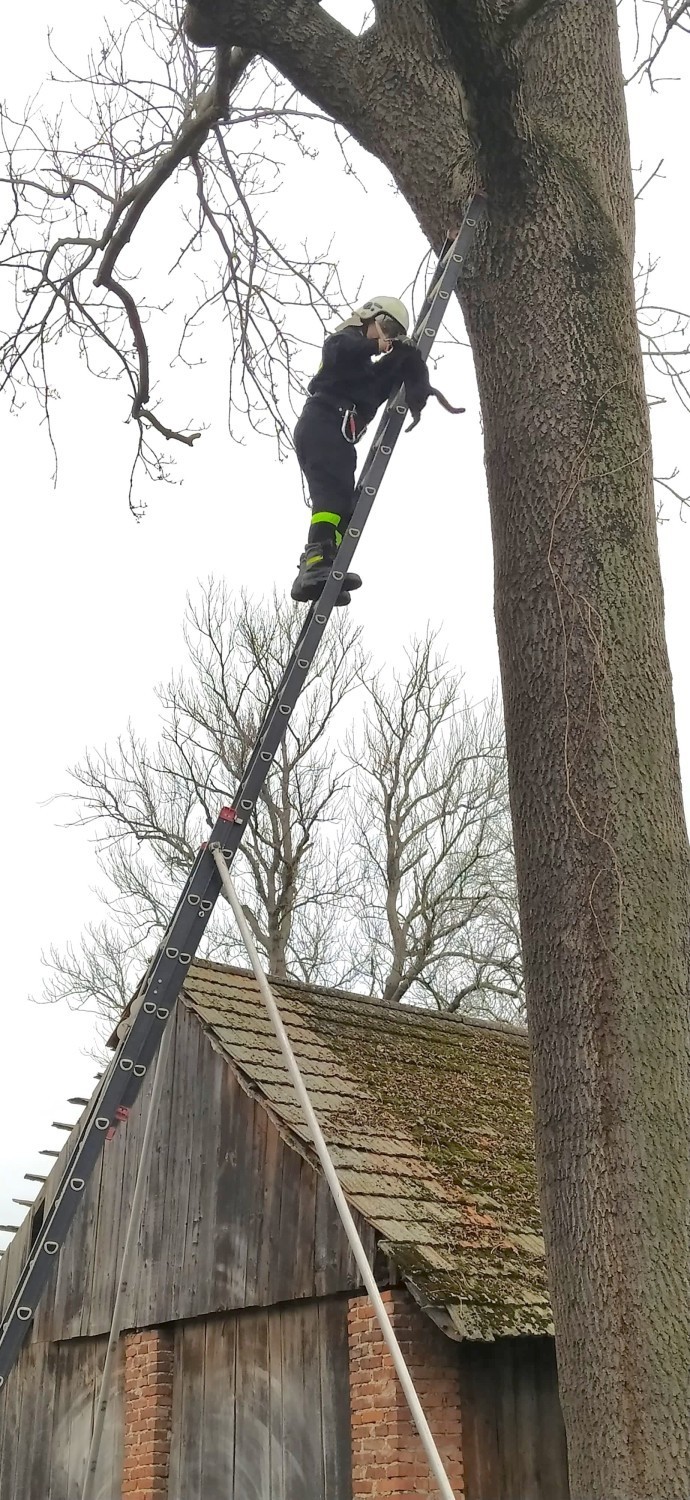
(329,1171)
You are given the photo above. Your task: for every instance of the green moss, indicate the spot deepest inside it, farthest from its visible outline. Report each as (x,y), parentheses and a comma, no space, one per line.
(454,1096)
(463,1095)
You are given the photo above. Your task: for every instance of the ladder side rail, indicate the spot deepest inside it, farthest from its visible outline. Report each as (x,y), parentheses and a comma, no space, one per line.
(162,985)
(119,1088)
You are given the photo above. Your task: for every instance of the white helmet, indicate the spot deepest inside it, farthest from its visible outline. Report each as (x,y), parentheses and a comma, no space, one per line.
(384,308)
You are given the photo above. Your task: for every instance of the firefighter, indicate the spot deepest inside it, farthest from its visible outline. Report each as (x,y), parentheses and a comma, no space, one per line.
(344,395)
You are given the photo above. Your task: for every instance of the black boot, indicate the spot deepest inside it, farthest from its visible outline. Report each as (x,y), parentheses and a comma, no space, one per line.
(315,565)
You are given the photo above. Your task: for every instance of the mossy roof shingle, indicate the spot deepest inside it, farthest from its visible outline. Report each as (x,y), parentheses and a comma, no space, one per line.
(429,1121)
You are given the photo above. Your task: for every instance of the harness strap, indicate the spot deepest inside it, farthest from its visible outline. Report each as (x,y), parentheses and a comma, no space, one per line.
(349,426)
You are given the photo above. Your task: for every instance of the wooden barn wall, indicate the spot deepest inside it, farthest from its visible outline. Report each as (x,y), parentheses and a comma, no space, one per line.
(261,1405)
(513,1436)
(46,1416)
(233,1216)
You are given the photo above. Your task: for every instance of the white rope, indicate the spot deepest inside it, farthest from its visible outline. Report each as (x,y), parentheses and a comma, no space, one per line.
(131,1243)
(331,1176)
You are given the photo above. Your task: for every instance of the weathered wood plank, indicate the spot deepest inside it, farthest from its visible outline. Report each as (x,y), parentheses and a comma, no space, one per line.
(109,1472)
(151,1260)
(255,1202)
(513,1436)
(177,1431)
(553,1452)
(529,1439)
(234,1187)
(109,1234)
(192,1394)
(96,1198)
(305,1228)
(169,1230)
(334,1398)
(195,1127)
(204,1248)
(59,1438)
(36,1372)
(302,1445)
(479,1422)
(12,1397)
(276,1417)
(273,1270)
(252,1429)
(218,1418)
(289,1266)
(514,1461)
(81,1378)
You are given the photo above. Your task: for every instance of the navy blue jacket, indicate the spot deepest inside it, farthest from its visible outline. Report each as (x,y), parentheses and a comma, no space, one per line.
(348,375)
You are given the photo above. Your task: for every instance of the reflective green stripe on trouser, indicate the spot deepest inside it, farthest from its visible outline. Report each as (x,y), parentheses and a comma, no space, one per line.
(326,518)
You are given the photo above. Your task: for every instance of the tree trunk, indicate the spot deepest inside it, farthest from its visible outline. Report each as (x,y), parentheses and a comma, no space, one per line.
(600,839)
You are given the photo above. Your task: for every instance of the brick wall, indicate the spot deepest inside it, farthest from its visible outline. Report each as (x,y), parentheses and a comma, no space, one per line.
(147,1414)
(387,1454)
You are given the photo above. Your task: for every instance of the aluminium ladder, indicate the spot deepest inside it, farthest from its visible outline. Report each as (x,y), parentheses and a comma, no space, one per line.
(155,1000)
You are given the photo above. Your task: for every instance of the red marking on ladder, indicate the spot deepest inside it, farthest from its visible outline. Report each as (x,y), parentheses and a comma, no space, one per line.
(228,814)
(121,1113)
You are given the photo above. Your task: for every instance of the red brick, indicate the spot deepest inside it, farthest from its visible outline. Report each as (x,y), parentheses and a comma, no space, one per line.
(147,1415)
(387,1454)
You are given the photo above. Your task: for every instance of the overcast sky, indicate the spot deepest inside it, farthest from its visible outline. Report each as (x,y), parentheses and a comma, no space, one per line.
(92,603)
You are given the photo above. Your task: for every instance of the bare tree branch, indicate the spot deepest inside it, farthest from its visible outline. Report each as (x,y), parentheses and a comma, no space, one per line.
(670,15)
(319,55)
(75,210)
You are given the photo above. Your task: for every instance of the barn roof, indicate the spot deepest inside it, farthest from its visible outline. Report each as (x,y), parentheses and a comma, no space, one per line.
(429,1121)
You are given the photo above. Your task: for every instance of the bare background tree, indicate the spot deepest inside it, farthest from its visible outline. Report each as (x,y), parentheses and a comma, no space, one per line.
(387,869)
(152,805)
(435,878)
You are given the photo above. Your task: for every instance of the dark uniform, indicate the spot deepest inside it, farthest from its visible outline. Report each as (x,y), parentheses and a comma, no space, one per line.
(344,396)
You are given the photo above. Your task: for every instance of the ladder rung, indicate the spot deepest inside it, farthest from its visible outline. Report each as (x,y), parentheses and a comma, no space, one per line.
(9,1229)
(34,1177)
(48,1152)
(24,1202)
(60,1125)
(77,1100)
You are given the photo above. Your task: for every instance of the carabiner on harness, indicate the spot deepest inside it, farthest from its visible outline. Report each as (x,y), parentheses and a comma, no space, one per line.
(348,426)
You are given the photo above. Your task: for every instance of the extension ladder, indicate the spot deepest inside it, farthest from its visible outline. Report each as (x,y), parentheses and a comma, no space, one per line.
(155,1000)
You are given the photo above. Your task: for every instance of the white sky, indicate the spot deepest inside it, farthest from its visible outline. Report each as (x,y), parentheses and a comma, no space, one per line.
(91,603)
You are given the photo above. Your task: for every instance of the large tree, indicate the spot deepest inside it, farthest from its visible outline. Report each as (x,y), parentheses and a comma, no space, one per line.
(526,98)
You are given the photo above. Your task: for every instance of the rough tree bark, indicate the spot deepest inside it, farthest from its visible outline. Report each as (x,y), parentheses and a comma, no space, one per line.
(528,101)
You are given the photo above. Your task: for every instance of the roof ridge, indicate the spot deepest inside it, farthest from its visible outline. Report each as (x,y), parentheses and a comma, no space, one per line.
(398,1007)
